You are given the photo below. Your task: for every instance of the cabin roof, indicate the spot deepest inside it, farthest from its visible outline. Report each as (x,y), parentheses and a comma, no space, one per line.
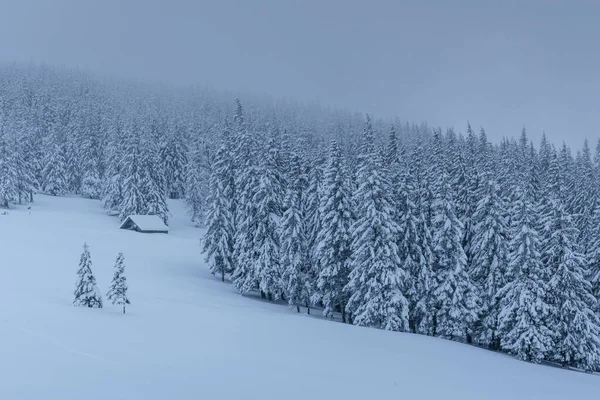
(146,223)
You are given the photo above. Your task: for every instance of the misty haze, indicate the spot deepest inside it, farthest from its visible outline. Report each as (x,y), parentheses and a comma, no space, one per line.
(299,199)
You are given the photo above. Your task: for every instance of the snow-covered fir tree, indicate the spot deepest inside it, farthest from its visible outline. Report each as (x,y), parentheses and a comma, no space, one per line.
(593,257)
(489,248)
(412,242)
(312,206)
(268,199)
(218,240)
(153,183)
(246,183)
(524,312)
(575,324)
(90,177)
(293,235)
(86,293)
(455,297)
(117,293)
(333,239)
(26,183)
(422,284)
(173,157)
(112,184)
(197,185)
(132,194)
(54,177)
(8,174)
(377,282)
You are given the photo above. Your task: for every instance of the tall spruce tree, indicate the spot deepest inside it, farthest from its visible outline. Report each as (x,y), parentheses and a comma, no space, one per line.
(132,196)
(196,193)
(575,325)
(490,259)
(153,183)
(454,294)
(267,261)
(524,315)
(8,174)
(593,257)
(377,281)
(54,179)
(173,157)
(333,239)
(218,239)
(422,278)
(294,247)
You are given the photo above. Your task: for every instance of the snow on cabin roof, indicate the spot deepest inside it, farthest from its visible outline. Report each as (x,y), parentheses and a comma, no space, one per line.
(149,223)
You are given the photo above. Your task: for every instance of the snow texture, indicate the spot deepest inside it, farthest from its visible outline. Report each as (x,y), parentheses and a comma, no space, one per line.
(189,336)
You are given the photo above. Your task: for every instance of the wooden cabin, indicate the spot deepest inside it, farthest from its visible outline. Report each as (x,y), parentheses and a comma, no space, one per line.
(145,224)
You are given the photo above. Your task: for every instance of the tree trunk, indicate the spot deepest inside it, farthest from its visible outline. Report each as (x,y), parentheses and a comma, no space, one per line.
(222,276)
(297,308)
(123,308)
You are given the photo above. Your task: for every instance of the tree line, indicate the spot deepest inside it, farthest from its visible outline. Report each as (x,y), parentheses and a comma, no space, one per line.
(379,223)
(449,236)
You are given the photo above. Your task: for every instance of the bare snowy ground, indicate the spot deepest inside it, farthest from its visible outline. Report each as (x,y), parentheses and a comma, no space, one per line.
(188,336)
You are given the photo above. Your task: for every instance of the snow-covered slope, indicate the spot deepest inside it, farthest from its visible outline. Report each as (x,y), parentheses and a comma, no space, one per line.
(189,336)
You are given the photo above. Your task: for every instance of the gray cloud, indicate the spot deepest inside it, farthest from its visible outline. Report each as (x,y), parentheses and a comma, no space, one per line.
(498,64)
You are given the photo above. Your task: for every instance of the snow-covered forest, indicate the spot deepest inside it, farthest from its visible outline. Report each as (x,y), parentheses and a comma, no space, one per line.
(377,223)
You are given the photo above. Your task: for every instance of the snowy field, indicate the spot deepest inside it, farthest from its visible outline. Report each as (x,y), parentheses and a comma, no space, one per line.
(189,336)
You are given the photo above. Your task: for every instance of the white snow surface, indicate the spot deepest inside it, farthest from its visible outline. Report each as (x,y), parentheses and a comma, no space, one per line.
(188,336)
(147,222)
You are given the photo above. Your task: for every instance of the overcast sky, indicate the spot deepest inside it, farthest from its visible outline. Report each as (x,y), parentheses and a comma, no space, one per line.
(500,64)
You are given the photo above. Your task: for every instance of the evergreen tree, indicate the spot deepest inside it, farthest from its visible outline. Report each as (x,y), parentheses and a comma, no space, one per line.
(91,184)
(112,185)
(246,182)
(54,180)
(312,209)
(423,302)
(133,200)
(593,258)
(8,174)
(377,280)
(173,155)
(334,237)
(575,325)
(294,249)
(524,315)
(195,186)
(218,240)
(267,242)
(455,295)
(410,248)
(153,183)
(26,183)
(490,252)
(86,293)
(258,209)
(118,287)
